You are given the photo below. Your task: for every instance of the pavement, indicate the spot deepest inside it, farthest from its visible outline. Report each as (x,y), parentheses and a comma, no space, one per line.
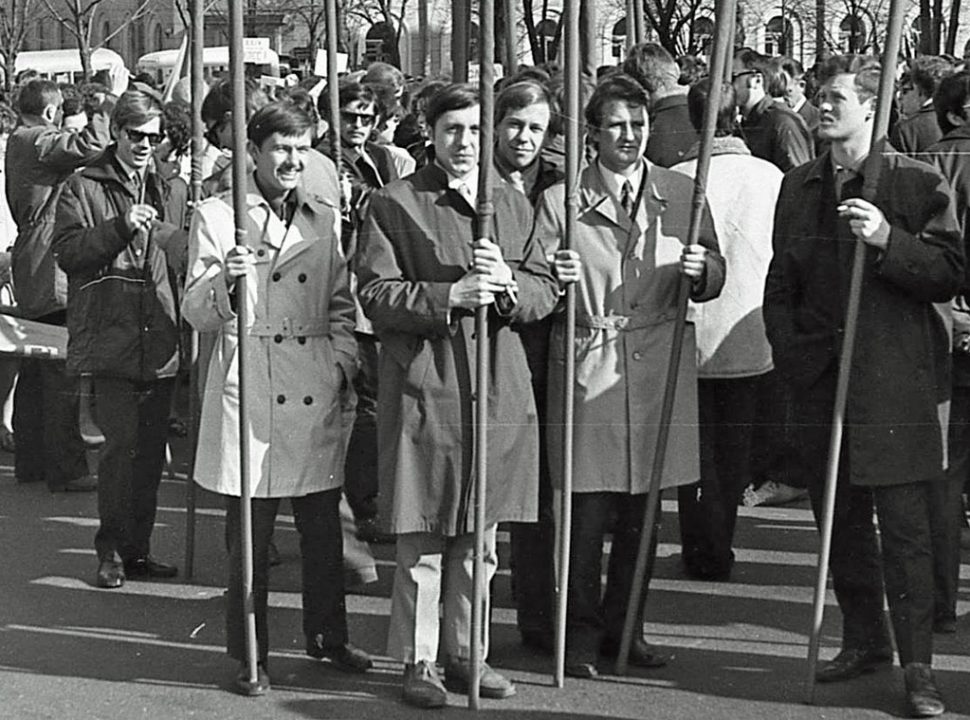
(156,649)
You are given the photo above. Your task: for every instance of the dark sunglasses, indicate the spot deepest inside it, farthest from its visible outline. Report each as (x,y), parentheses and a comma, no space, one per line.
(363,118)
(735,76)
(136,136)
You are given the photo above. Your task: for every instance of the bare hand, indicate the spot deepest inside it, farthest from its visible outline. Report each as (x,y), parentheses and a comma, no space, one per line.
(474,290)
(566,266)
(140,217)
(487,260)
(693,262)
(866,221)
(238,262)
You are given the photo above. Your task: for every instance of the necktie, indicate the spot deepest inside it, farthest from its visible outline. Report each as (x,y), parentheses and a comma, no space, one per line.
(517,181)
(466,192)
(626,197)
(842,176)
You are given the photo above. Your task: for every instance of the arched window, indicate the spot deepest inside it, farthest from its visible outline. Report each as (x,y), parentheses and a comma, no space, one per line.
(779,36)
(852,34)
(379,43)
(546,32)
(703,35)
(619,38)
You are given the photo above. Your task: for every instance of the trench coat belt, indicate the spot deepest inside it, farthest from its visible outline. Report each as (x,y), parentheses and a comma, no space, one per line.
(623,322)
(289,328)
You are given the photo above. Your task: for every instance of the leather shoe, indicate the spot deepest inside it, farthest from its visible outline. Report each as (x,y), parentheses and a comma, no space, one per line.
(243,685)
(642,653)
(369,531)
(422,686)
(149,567)
(85,483)
(490,685)
(923,698)
(583,670)
(111,574)
(344,657)
(853,662)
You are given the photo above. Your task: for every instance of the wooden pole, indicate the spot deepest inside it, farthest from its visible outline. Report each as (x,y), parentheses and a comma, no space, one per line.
(197,84)
(871,172)
(574,152)
(631,26)
(460,40)
(729,47)
(640,21)
(647,548)
(239,185)
(486,213)
(333,86)
(511,56)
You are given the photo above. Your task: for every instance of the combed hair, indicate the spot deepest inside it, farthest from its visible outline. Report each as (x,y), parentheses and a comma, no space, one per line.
(347,92)
(456,96)
(284,117)
(727,114)
(618,87)
(776,79)
(866,69)
(926,72)
(952,96)
(218,101)
(135,108)
(521,95)
(692,69)
(381,73)
(652,66)
(37,95)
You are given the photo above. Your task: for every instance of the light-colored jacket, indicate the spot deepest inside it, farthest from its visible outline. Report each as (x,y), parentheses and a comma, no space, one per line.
(741,192)
(626,305)
(300,356)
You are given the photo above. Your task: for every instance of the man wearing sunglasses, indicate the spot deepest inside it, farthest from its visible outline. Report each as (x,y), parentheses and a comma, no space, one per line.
(118,223)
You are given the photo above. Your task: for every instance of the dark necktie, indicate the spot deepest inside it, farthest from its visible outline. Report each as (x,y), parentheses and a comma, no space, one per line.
(626,198)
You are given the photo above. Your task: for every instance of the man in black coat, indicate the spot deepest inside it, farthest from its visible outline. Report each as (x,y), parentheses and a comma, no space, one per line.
(918,129)
(894,443)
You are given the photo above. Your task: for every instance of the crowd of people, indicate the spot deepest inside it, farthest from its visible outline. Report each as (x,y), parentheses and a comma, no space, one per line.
(362,280)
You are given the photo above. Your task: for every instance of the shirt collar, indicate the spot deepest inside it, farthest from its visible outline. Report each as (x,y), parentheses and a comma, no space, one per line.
(470,181)
(798,106)
(132,174)
(614,181)
(528,175)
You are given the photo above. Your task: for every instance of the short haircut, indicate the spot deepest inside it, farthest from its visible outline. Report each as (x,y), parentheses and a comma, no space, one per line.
(751,60)
(727,114)
(618,87)
(178,125)
(135,108)
(284,118)
(776,79)
(652,66)
(952,96)
(423,96)
(381,73)
(36,95)
(218,101)
(521,95)
(347,92)
(73,100)
(557,89)
(866,69)
(302,98)
(794,68)
(457,96)
(926,72)
(692,69)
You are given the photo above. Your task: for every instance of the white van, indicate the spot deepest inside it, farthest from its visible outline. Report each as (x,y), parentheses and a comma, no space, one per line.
(215,62)
(64,66)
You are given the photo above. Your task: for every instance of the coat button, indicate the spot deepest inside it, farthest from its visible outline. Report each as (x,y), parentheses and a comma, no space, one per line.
(301,277)
(301,340)
(308,400)
(261,252)
(278,338)
(281,399)
(276,277)
(638,355)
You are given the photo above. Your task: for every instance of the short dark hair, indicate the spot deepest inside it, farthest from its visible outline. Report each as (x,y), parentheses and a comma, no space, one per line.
(218,101)
(347,92)
(951,96)
(866,69)
(37,95)
(926,72)
(616,87)
(456,96)
(284,117)
(521,95)
(382,73)
(178,125)
(135,108)
(727,114)
(73,100)
(751,59)
(651,65)
(794,68)
(692,69)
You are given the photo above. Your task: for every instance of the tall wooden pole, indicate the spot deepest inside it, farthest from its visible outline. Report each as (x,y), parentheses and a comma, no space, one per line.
(871,172)
(239,185)
(646,550)
(510,58)
(574,151)
(333,86)
(486,214)
(460,40)
(640,21)
(631,26)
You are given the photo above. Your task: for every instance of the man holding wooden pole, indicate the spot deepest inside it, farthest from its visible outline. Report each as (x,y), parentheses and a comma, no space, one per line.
(894,443)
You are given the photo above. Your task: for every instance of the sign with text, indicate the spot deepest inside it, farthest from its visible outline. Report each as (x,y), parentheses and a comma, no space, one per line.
(320,66)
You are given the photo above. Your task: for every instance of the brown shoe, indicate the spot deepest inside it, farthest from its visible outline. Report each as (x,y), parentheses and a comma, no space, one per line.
(422,686)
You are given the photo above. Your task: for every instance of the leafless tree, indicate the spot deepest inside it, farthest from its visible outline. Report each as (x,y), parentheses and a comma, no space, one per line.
(16,18)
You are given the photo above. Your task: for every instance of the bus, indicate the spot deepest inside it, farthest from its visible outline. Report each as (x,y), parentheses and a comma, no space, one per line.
(215,62)
(64,66)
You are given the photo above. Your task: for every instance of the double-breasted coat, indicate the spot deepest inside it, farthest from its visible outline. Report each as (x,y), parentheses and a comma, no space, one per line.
(301,352)
(414,244)
(900,364)
(626,306)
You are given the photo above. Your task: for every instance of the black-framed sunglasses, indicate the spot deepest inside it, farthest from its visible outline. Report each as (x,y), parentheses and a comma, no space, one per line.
(354,117)
(137,136)
(741,74)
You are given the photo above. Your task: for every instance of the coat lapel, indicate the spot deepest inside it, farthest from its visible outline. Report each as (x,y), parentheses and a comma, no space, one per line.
(596,197)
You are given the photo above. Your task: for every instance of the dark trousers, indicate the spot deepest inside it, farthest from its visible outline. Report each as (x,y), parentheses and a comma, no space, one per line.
(594,616)
(133,416)
(321,549)
(774,446)
(360,483)
(45,425)
(708,509)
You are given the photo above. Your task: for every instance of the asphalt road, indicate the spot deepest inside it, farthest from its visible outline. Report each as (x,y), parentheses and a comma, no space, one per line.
(156,650)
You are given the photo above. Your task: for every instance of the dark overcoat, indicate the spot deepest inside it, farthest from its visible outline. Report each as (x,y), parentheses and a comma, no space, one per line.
(414,244)
(900,364)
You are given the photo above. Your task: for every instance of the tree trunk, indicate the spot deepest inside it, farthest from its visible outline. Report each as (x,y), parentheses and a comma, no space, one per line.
(925,28)
(530,29)
(589,42)
(423,35)
(937,26)
(951,28)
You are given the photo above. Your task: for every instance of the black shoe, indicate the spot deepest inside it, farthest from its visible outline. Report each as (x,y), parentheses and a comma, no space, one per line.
(369,531)
(422,686)
(539,640)
(85,483)
(243,685)
(642,653)
(945,626)
(923,698)
(111,574)
(853,662)
(492,685)
(344,657)
(149,567)
(583,670)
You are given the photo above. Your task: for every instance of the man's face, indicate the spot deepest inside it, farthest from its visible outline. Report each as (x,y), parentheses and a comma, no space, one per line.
(520,134)
(909,99)
(843,116)
(456,140)
(136,143)
(357,119)
(794,90)
(280,161)
(748,84)
(622,135)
